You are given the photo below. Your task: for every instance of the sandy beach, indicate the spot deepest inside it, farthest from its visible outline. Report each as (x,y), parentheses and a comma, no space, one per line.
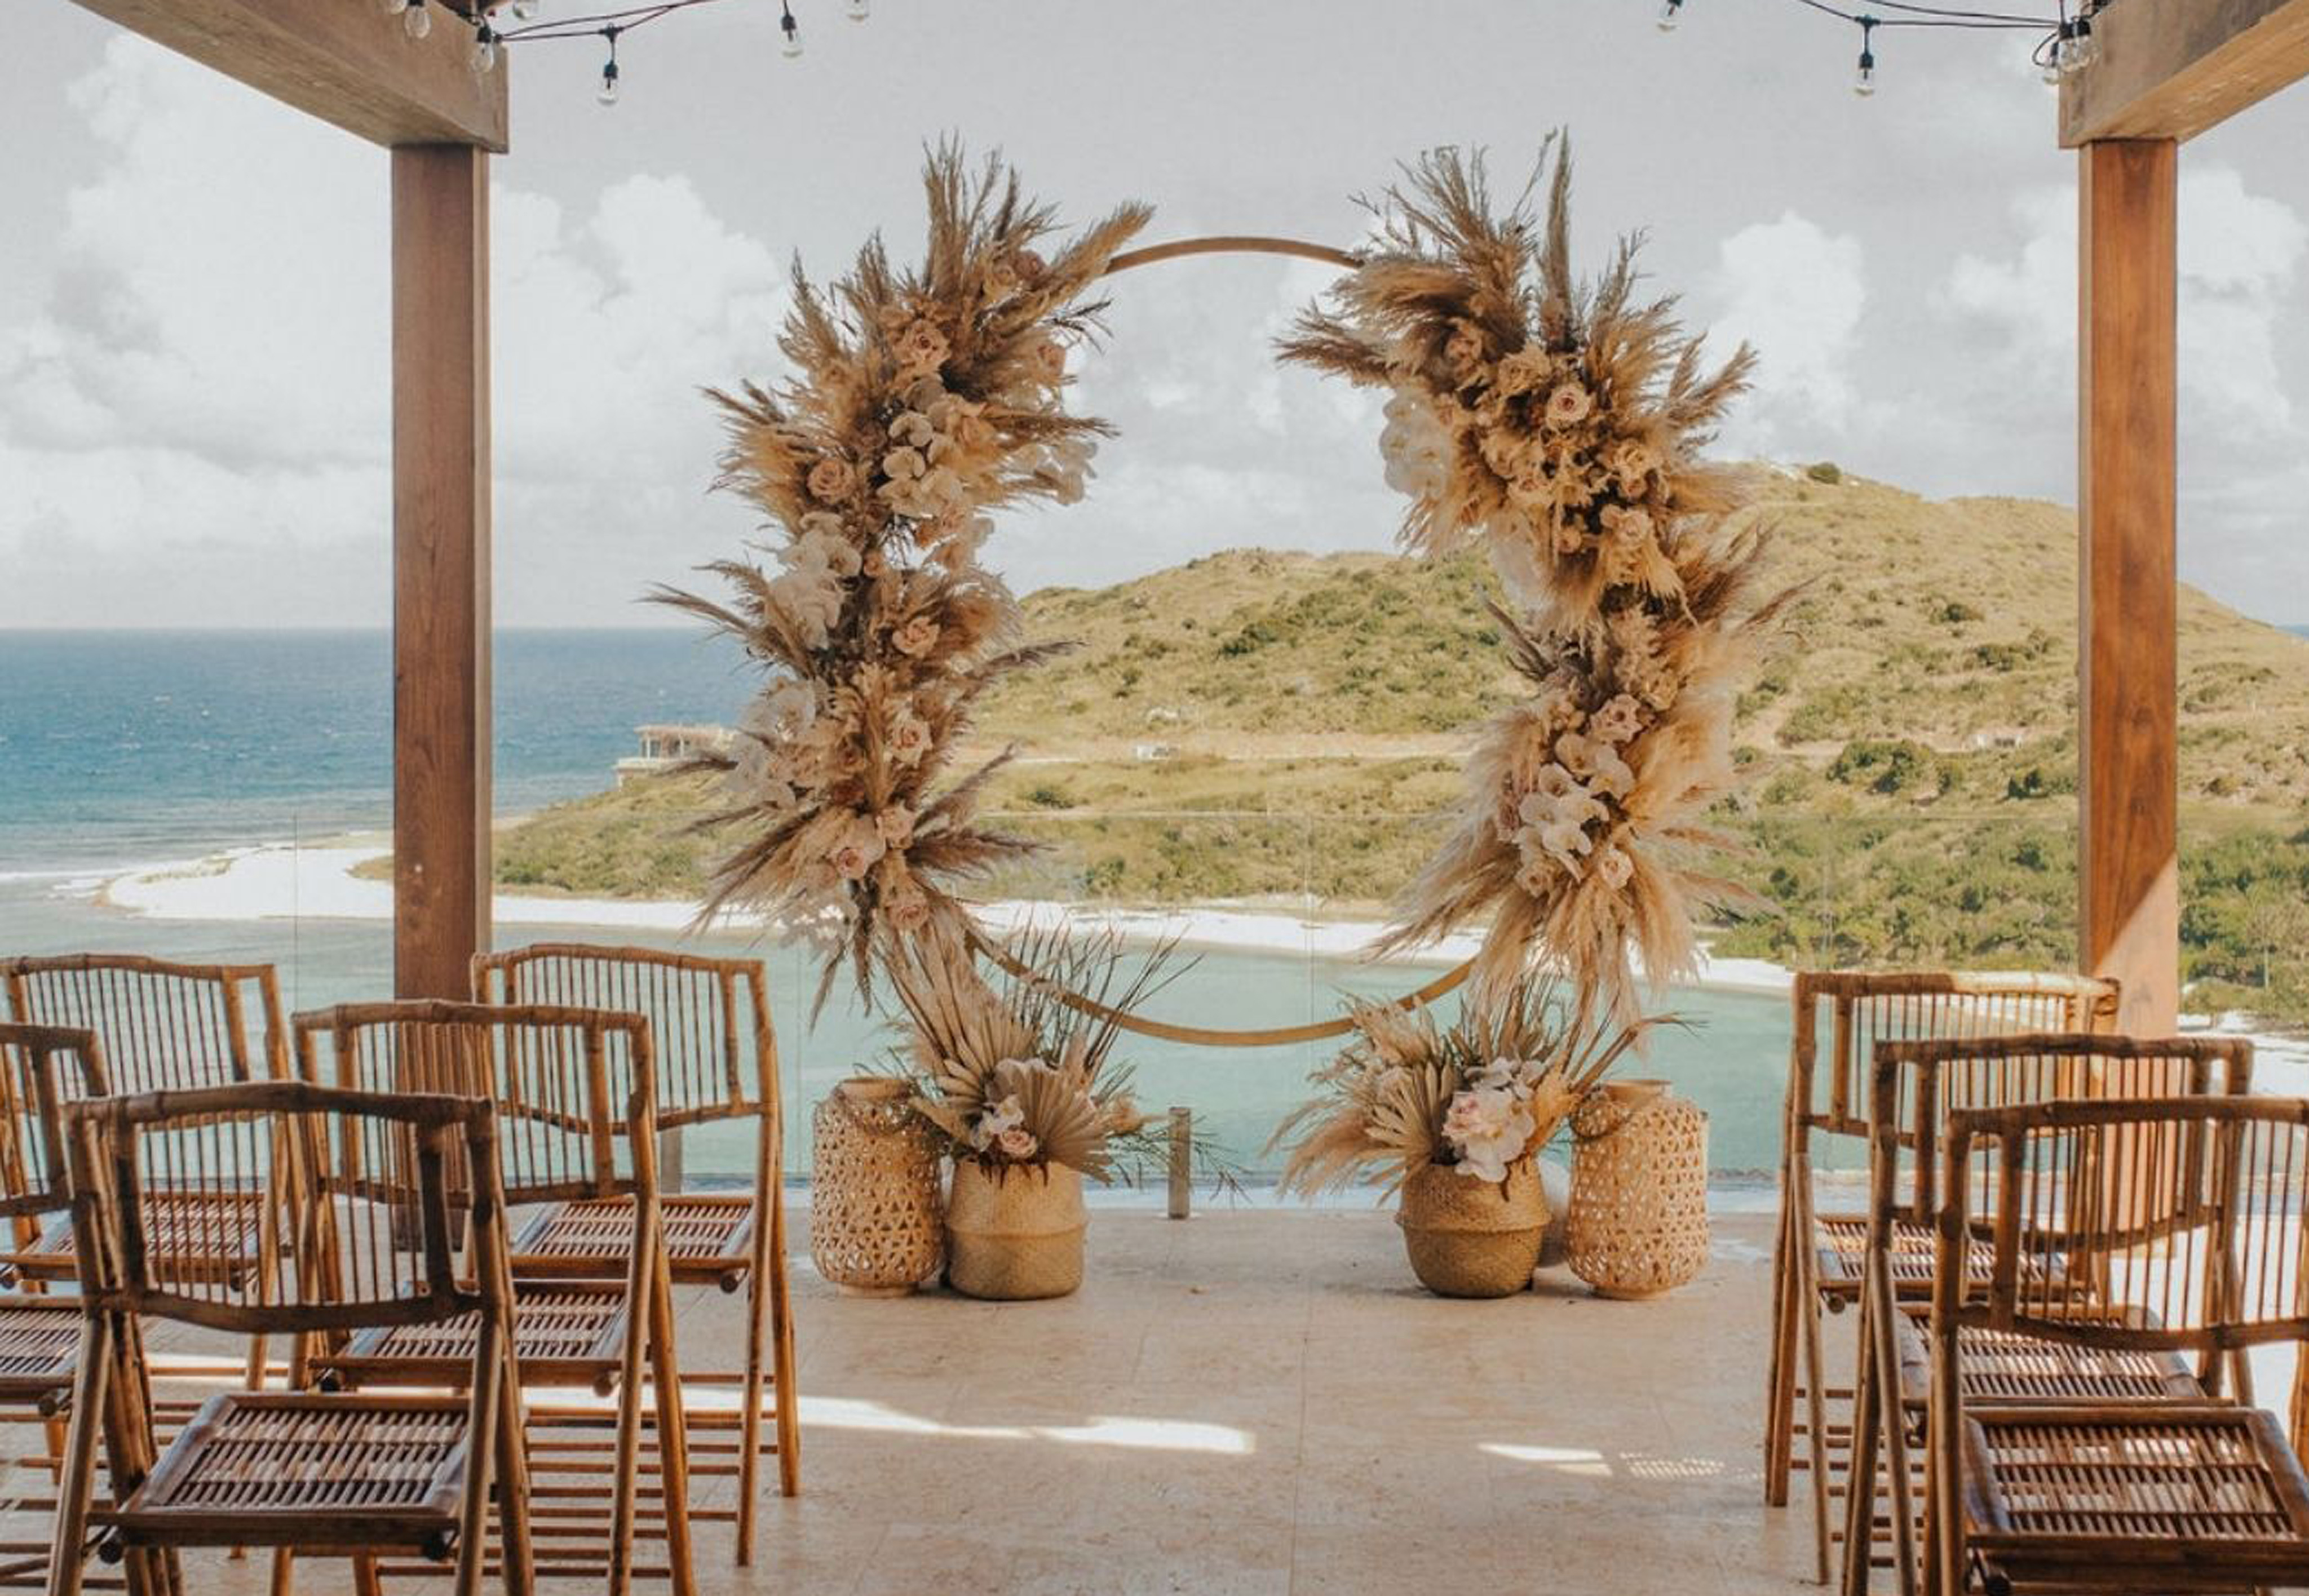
(283,881)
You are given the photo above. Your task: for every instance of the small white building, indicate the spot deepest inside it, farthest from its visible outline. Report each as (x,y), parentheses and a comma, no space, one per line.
(668,747)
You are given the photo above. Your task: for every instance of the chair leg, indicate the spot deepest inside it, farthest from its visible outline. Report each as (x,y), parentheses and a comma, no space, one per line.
(749,1457)
(1859,1471)
(76,1481)
(1815,1378)
(284,1572)
(1804,1307)
(749,1461)
(781,1349)
(1887,1365)
(514,1551)
(1779,1395)
(672,1437)
(640,1324)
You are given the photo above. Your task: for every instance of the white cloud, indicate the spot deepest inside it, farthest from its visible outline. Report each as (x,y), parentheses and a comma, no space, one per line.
(2241,438)
(1796,293)
(192,392)
(2238,256)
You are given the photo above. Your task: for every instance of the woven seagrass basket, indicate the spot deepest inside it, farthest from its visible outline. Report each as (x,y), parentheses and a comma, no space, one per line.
(1471,1237)
(878,1220)
(1638,1222)
(1017,1236)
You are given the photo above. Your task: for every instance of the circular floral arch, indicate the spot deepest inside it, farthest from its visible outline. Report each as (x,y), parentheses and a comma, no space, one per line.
(1553,422)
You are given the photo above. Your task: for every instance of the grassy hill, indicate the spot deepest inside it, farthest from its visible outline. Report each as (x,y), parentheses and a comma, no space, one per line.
(1910,744)
(1949,624)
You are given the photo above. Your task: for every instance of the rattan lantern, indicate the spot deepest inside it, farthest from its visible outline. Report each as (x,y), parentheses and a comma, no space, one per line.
(1638,1222)
(878,1217)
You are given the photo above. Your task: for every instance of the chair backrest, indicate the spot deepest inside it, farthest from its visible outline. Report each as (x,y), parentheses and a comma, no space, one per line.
(1919,1086)
(363,1162)
(716,1055)
(1827,1089)
(41,1068)
(163,1026)
(573,1088)
(2194,1228)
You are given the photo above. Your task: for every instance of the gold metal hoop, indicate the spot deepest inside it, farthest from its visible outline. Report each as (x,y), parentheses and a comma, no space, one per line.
(1230,244)
(1450,980)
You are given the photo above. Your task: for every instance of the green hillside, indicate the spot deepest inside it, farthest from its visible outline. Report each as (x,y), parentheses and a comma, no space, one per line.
(1286,728)
(1949,624)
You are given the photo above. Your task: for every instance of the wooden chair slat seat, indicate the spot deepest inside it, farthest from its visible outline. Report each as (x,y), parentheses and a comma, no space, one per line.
(39,1337)
(1842,1249)
(2209,1489)
(709,1238)
(197,1237)
(262,1465)
(565,1333)
(2010,1365)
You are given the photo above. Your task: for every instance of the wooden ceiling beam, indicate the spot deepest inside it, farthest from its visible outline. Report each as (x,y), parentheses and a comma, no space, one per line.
(2170,69)
(343,61)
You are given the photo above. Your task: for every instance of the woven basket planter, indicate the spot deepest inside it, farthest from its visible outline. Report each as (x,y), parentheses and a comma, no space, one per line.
(1470,1238)
(1016,1235)
(878,1220)
(1638,1224)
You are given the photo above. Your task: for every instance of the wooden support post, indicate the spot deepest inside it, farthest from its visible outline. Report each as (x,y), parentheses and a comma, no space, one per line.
(1182,1162)
(2127,587)
(440,567)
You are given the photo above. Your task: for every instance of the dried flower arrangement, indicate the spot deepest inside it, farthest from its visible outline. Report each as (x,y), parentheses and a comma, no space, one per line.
(1480,1096)
(1014,1077)
(1557,423)
(922,400)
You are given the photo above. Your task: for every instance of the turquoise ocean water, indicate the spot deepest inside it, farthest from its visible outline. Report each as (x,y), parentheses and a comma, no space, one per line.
(125,749)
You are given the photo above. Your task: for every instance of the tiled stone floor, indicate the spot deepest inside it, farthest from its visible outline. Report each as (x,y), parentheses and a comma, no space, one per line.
(1260,1403)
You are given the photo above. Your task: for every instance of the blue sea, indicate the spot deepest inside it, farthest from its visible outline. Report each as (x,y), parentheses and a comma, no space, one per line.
(126,750)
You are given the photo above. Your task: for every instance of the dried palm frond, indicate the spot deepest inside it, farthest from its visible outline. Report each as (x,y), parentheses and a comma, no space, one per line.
(919,401)
(973,1045)
(1380,1104)
(1559,423)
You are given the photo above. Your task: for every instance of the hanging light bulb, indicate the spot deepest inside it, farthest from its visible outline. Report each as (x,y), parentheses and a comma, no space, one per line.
(417,20)
(483,59)
(524,9)
(392,8)
(608,92)
(2085,49)
(858,10)
(793,30)
(1670,15)
(2057,56)
(1864,80)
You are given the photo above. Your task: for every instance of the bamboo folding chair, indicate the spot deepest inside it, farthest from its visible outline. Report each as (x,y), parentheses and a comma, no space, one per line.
(574,1092)
(1817,1258)
(1915,1088)
(717,1062)
(40,1068)
(163,1027)
(356,1475)
(2195,1206)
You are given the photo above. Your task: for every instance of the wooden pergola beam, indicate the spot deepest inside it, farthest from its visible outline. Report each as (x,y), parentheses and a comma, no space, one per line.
(343,61)
(2170,69)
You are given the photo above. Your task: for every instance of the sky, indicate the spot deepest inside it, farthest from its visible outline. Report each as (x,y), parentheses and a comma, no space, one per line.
(194,380)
